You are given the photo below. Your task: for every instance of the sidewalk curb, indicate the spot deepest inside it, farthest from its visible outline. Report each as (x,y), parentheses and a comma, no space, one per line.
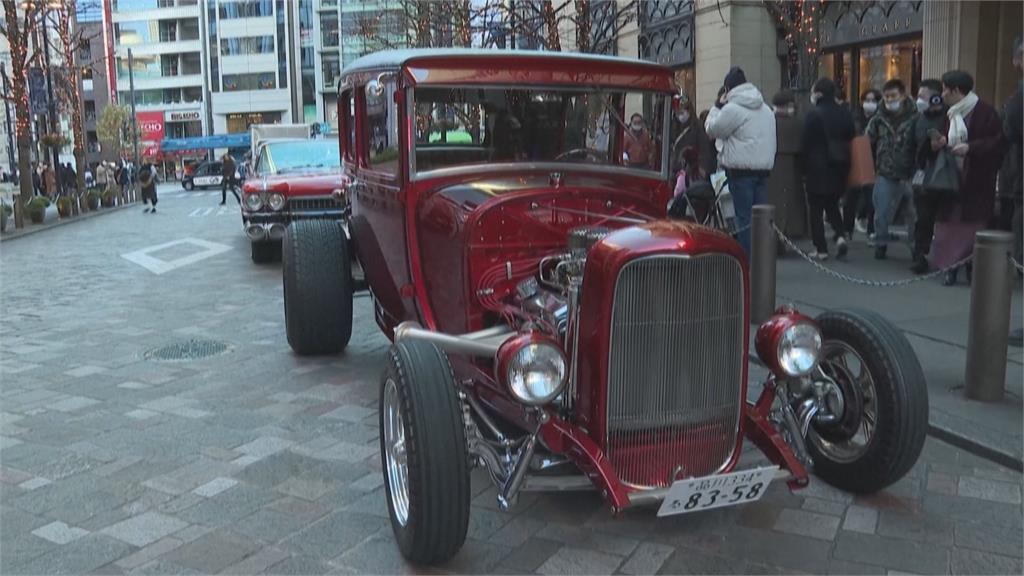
(958,440)
(36,228)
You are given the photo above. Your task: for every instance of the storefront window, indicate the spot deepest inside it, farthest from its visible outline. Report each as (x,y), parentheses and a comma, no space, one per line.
(879,64)
(240,122)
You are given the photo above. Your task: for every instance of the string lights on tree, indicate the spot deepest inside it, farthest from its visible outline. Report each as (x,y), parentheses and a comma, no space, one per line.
(799,22)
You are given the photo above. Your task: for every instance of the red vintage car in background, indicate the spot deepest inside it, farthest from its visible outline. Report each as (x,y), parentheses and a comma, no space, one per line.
(550,325)
(291,179)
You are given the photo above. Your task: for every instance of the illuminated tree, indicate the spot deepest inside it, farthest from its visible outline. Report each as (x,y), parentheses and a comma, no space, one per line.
(797,22)
(110,127)
(18,25)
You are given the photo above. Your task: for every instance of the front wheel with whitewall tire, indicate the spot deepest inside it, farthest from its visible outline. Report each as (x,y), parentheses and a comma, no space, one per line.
(423,453)
(317,287)
(881,432)
(188,185)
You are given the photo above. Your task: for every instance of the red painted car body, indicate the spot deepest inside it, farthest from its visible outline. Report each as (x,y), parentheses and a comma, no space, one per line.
(306,194)
(447,248)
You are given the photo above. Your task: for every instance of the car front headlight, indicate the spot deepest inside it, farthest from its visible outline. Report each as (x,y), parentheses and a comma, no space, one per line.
(276,201)
(799,347)
(253,202)
(534,370)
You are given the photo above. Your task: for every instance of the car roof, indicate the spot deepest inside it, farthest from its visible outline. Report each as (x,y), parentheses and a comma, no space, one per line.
(399,58)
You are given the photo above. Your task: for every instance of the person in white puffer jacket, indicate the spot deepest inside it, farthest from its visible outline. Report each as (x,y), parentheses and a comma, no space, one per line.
(744,125)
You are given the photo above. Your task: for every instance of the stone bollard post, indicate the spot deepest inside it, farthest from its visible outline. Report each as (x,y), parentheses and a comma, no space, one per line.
(989,322)
(762,263)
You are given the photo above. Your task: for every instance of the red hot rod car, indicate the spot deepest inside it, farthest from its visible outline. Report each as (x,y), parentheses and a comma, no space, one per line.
(550,325)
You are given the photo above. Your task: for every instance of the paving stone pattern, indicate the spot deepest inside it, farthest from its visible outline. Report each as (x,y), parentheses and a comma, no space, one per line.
(259,461)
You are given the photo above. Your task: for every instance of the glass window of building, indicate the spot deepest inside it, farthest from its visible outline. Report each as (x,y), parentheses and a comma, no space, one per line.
(135,33)
(246,9)
(146,66)
(190,29)
(329,29)
(331,69)
(192,94)
(191,63)
(261,81)
(168,30)
(211,15)
(247,45)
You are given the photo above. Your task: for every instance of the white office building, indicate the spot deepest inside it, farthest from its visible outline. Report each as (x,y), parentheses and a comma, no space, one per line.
(249,63)
(165,37)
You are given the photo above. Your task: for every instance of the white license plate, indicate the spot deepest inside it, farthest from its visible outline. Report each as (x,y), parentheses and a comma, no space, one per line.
(696,494)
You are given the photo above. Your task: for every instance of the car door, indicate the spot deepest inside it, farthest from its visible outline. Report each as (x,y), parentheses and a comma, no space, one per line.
(378,215)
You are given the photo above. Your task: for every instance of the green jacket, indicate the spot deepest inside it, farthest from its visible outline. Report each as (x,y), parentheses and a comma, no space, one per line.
(892,139)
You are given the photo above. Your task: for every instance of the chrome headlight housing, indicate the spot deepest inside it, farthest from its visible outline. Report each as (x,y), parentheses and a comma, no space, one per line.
(253,202)
(276,201)
(799,349)
(534,369)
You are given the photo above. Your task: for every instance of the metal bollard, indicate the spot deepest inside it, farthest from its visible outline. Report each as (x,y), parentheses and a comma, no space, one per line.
(989,323)
(762,263)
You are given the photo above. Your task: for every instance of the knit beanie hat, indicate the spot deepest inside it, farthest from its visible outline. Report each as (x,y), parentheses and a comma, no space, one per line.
(735,77)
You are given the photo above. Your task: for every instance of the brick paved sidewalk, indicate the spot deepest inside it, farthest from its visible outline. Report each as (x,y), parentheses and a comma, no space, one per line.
(259,461)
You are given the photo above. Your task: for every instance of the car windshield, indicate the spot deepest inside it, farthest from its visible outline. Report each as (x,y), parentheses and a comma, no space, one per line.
(603,126)
(306,155)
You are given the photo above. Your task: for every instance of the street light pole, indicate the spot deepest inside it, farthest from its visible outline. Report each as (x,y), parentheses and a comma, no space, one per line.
(131,93)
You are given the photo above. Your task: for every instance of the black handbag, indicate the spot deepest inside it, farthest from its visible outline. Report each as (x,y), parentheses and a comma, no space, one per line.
(942,176)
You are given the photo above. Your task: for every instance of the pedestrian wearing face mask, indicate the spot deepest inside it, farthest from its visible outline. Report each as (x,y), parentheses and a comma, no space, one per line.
(891,133)
(975,137)
(858,206)
(828,130)
(691,135)
(639,147)
(785,185)
(744,125)
(931,120)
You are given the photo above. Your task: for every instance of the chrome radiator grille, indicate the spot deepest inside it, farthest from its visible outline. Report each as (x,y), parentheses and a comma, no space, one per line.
(675,367)
(313,204)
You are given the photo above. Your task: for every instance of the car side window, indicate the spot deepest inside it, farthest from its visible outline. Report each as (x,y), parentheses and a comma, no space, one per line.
(347,125)
(382,127)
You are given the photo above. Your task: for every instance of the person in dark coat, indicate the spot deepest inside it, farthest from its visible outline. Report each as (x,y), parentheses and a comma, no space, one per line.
(928,204)
(785,185)
(828,129)
(37,180)
(975,137)
(691,135)
(147,183)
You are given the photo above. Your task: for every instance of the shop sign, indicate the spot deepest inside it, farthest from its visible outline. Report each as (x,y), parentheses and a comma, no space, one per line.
(183,116)
(151,126)
(846,23)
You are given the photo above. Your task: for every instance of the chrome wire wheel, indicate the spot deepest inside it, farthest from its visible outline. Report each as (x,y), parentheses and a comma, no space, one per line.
(395,454)
(849,439)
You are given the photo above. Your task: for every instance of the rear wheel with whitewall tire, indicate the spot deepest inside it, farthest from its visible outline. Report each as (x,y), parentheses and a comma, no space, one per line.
(423,453)
(317,287)
(885,417)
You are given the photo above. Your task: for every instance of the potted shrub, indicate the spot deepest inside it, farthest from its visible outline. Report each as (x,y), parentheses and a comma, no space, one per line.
(5,212)
(36,208)
(108,198)
(64,206)
(93,199)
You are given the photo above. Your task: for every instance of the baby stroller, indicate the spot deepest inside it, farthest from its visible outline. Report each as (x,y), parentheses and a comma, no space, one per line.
(703,200)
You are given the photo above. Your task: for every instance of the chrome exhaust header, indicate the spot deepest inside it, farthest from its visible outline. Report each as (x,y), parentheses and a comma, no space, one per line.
(481,343)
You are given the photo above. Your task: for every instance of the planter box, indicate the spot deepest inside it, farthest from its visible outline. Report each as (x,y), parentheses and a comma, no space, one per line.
(93,202)
(37,217)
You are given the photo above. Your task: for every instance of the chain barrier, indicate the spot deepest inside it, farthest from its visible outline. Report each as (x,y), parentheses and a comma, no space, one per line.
(860,281)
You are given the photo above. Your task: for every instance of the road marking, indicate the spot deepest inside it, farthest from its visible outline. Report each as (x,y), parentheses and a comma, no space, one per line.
(159,266)
(212,211)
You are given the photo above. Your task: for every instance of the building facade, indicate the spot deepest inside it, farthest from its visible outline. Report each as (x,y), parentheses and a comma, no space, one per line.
(168,60)
(93,27)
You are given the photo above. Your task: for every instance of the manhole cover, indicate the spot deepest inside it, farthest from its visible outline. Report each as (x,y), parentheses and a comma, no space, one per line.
(191,349)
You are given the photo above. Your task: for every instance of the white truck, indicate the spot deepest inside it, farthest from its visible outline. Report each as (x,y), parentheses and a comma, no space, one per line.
(260,133)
